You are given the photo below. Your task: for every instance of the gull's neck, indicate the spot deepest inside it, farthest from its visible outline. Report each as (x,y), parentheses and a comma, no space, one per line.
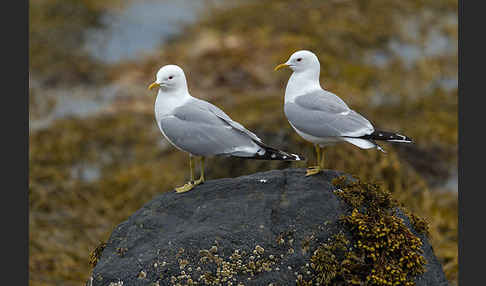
(168,100)
(302,82)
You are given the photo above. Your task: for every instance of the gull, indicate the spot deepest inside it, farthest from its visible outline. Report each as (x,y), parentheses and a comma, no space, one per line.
(201,129)
(320,116)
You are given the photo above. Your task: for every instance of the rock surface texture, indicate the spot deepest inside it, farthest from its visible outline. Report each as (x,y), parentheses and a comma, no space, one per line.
(260,229)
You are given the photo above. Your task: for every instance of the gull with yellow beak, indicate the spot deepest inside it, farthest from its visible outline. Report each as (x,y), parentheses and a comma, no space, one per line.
(201,129)
(320,116)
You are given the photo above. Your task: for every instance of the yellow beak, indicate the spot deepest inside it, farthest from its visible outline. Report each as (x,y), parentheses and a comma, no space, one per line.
(280,66)
(154,84)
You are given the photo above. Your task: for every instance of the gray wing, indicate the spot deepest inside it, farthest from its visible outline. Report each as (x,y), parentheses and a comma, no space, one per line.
(323,114)
(195,128)
(223,116)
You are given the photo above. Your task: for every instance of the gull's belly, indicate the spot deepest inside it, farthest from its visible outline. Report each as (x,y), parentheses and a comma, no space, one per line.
(194,151)
(170,141)
(206,140)
(158,118)
(322,141)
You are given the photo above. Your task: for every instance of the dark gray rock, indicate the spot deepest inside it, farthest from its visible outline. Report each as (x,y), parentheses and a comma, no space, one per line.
(282,211)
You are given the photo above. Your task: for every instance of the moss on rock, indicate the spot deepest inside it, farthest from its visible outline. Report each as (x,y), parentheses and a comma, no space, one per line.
(95,255)
(380,250)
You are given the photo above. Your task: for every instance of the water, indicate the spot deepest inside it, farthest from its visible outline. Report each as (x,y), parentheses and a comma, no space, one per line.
(412,50)
(77,102)
(87,173)
(139,28)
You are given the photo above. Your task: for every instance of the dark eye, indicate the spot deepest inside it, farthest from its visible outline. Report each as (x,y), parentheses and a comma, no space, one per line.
(171,77)
(299,59)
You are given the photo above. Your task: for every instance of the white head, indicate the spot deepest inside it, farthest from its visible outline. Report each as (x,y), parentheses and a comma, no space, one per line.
(170,78)
(302,61)
(305,77)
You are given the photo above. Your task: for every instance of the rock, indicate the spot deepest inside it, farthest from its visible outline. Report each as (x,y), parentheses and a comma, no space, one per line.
(251,230)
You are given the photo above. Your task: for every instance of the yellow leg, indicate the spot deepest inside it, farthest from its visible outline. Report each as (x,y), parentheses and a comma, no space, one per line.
(312,170)
(191,166)
(191,184)
(322,159)
(201,179)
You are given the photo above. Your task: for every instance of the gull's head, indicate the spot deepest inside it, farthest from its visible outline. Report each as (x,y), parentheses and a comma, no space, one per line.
(170,78)
(302,61)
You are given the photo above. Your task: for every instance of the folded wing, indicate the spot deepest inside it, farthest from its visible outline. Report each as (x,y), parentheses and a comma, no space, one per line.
(196,128)
(323,114)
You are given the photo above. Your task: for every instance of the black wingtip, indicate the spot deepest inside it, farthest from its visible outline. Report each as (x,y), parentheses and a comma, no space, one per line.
(269,153)
(388,137)
(298,158)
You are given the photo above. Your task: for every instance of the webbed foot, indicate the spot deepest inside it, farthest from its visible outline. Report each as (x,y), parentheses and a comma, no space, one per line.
(313,170)
(186,188)
(189,186)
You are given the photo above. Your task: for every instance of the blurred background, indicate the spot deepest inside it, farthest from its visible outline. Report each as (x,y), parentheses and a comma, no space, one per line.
(96,154)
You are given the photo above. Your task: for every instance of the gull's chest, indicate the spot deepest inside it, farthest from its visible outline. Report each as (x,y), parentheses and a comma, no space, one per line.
(164,107)
(297,85)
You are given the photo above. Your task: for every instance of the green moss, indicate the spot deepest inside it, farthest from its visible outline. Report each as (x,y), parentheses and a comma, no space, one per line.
(95,255)
(391,254)
(419,224)
(381,249)
(327,260)
(364,195)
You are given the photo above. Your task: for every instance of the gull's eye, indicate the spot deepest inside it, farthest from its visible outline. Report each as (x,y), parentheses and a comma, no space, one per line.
(299,59)
(171,77)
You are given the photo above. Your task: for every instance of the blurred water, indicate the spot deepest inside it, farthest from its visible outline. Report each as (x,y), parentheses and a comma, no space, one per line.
(77,102)
(140,27)
(87,173)
(410,52)
(434,44)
